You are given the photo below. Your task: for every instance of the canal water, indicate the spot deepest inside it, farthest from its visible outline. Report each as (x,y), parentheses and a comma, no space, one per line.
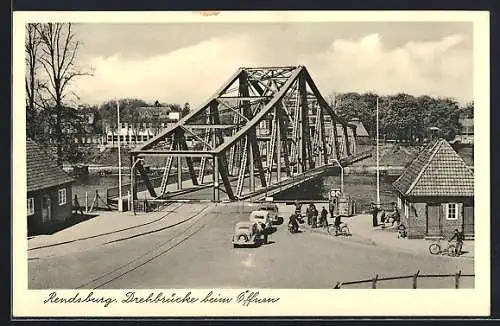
(362,188)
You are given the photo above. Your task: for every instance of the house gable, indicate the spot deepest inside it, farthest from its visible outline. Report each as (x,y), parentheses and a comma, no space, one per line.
(437,171)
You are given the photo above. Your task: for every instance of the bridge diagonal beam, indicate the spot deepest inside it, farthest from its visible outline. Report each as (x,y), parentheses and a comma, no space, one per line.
(285,95)
(222,158)
(189,162)
(149,144)
(258,117)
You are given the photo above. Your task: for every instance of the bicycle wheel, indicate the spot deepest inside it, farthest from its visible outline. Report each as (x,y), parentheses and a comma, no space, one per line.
(331,230)
(451,250)
(434,248)
(345,230)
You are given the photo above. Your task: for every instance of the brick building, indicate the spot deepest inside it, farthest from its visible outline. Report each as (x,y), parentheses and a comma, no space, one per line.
(436,193)
(48,191)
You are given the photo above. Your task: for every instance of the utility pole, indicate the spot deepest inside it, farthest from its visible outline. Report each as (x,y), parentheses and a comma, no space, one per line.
(120,200)
(378,171)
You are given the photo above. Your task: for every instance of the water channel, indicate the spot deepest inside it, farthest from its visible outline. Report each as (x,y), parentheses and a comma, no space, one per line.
(361,187)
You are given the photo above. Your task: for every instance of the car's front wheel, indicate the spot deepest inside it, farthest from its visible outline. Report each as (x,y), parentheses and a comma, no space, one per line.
(242,237)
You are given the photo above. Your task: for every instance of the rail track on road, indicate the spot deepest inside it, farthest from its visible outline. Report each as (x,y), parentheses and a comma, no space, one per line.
(150,255)
(109,233)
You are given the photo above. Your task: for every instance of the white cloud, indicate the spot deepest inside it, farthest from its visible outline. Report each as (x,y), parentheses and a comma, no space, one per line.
(438,68)
(188,74)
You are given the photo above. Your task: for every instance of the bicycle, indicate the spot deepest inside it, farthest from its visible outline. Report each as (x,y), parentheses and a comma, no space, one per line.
(342,229)
(436,249)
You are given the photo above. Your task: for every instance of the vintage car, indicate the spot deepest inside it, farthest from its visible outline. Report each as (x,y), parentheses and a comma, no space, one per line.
(263,218)
(273,210)
(246,234)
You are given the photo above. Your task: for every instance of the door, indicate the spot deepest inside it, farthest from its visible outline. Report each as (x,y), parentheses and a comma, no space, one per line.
(46,209)
(434,213)
(469,220)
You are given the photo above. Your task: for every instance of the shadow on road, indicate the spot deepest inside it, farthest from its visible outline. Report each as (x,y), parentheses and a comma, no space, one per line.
(74,220)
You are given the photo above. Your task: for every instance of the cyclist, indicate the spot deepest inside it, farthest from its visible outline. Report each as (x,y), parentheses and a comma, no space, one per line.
(459,236)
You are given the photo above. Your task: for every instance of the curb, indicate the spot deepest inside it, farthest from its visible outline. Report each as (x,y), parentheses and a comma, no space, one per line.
(107,233)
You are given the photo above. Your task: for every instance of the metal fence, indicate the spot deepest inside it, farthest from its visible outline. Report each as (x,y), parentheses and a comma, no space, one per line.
(140,185)
(414,278)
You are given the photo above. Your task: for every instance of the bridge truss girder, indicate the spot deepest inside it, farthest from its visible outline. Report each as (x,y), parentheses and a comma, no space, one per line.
(262,125)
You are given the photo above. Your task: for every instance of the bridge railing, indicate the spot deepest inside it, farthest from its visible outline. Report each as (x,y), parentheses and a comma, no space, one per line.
(414,279)
(140,185)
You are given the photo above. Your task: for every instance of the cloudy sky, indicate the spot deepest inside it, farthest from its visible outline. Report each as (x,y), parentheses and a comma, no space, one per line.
(187,62)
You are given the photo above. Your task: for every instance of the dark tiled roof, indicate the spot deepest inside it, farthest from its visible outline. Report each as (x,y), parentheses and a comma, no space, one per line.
(437,171)
(42,172)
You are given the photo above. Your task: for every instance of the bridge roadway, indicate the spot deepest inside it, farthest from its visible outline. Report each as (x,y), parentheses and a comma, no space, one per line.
(199,254)
(205,192)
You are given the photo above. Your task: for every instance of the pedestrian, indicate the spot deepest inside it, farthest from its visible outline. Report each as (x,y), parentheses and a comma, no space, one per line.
(323,221)
(459,236)
(77,206)
(337,221)
(262,232)
(309,214)
(374,217)
(298,208)
(382,217)
(314,217)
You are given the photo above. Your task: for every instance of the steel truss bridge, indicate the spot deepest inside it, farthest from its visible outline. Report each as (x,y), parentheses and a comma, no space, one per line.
(264,128)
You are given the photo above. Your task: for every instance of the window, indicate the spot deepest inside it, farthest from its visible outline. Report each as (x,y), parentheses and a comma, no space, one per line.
(62,196)
(399,202)
(31,206)
(452,211)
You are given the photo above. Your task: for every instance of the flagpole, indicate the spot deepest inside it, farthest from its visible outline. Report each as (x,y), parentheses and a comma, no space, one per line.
(120,203)
(378,171)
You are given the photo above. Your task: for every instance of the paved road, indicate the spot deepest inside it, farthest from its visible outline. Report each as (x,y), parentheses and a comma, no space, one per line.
(199,254)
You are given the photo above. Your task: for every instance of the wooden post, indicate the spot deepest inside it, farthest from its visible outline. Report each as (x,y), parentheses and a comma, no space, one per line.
(457,279)
(179,172)
(374,282)
(415,277)
(86,202)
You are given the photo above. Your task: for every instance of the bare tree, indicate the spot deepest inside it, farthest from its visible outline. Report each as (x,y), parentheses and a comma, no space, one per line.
(58,60)
(32,44)
(31,48)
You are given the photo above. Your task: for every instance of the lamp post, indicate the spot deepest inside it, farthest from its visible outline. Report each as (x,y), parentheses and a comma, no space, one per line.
(341,175)
(132,181)
(378,168)
(120,200)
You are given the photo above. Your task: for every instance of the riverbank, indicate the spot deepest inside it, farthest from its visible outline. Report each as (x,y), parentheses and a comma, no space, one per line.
(393,158)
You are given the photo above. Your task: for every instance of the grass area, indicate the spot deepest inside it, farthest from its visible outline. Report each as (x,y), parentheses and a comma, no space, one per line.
(402,155)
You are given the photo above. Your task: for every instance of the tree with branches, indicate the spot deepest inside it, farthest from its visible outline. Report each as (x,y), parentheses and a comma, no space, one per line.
(56,54)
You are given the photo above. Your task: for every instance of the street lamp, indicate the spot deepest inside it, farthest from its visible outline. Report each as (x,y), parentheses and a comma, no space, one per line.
(341,175)
(132,181)
(120,200)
